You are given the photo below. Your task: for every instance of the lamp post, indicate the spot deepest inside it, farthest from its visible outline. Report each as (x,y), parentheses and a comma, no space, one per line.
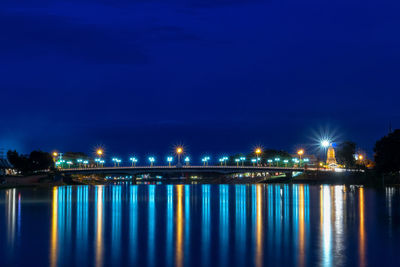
(79,162)
(169,159)
(179,151)
(258,151)
(237,162)
(205,160)
(133,160)
(300,152)
(69,164)
(242,159)
(152,160)
(270,162)
(55,154)
(286,162)
(85,163)
(254,161)
(277,161)
(187,160)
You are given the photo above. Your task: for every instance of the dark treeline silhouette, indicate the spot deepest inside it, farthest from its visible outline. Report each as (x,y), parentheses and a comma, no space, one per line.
(387,154)
(345,154)
(35,161)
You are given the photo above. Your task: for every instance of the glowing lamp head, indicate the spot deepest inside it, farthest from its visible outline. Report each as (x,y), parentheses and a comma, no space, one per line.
(179,150)
(325,143)
(300,152)
(99,152)
(55,154)
(258,150)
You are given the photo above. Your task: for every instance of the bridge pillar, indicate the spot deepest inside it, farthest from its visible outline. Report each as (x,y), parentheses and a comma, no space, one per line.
(133,179)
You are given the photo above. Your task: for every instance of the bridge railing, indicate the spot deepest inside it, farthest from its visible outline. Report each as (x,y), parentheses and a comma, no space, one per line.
(184,167)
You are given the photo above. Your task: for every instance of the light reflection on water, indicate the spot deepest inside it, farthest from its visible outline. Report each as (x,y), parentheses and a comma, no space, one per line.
(200,225)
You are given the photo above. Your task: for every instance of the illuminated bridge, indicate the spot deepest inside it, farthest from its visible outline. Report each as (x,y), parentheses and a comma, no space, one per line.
(171,170)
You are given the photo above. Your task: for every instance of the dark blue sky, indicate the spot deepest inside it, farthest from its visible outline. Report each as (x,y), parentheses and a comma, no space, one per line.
(216,75)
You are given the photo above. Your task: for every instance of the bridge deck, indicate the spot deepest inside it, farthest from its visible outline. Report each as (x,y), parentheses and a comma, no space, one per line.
(185,169)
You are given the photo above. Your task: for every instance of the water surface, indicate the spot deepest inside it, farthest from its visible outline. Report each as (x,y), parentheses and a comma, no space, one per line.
(200,225)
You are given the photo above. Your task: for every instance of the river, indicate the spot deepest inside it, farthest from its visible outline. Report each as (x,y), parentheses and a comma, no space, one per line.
(200,225)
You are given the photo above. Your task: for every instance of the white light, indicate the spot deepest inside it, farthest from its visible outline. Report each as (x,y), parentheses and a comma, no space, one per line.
(325,143)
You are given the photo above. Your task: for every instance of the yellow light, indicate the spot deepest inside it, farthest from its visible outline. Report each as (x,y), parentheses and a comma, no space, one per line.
(258,150)
(55,154)
(99,152)
(179,150)
(300,152)
(360,157)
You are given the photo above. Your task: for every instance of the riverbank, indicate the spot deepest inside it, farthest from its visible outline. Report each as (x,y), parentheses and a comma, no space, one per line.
(369,179)
(41,180)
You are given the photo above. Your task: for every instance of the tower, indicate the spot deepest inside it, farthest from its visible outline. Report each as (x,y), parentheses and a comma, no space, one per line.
(330,156)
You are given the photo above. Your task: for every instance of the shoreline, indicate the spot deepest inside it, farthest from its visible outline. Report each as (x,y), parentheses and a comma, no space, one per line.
(365,179)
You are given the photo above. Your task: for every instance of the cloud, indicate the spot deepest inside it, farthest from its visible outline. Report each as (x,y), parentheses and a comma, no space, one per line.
(45,33)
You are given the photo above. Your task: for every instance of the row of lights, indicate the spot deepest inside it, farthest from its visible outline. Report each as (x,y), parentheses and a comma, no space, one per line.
(179,151)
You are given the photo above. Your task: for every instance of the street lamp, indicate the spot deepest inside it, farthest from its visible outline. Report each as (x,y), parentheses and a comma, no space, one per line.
(300,153)
(152,159)
(258,151)
(79,162)
(270,162)
(187,160)
(134,160)
(179,151)
(205,160)
(286,162)
(85,163)
(242,159)
(254,161)
(55,154)
(69,164)
(237,162)
(169,159)
(116,161)
(277,161)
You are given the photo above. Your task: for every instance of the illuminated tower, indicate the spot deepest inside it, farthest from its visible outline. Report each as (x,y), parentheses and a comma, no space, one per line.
(330,156)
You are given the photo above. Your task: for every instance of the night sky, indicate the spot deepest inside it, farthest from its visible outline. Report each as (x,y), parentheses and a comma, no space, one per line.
(216,75)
